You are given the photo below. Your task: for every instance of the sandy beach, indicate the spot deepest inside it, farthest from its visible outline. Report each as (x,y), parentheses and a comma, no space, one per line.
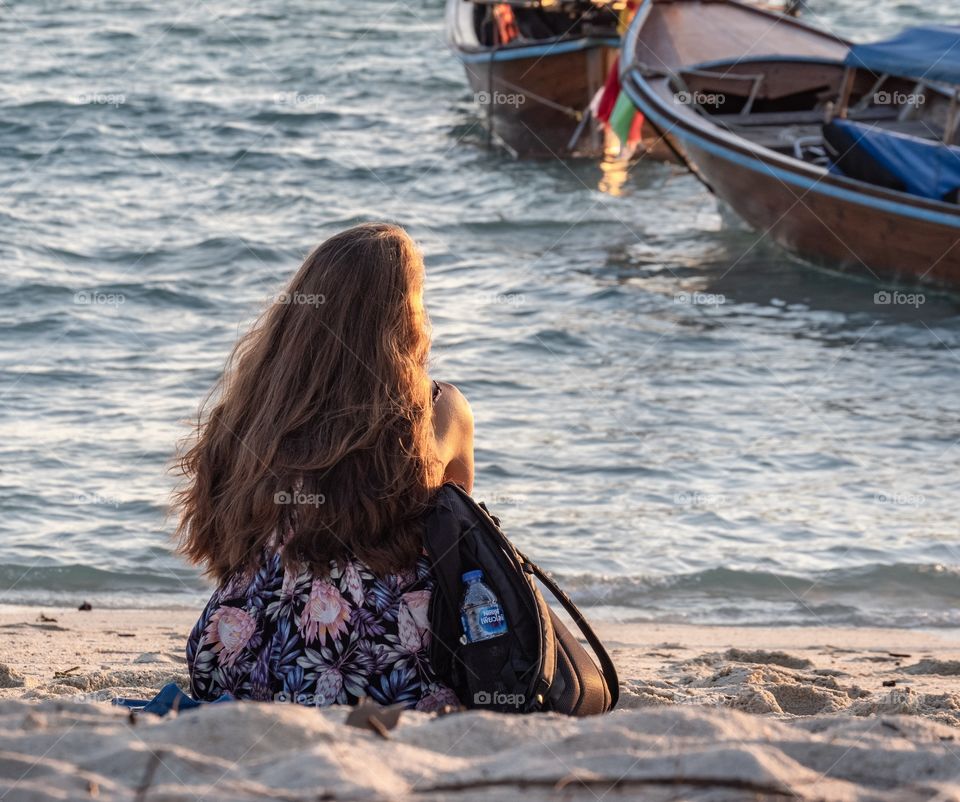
(706,713)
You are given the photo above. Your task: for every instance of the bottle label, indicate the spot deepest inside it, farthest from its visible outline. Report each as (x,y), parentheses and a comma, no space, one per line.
(483,622)
(491,618)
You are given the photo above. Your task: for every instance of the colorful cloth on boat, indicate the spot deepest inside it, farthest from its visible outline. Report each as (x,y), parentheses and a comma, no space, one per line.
(610,93)
(287,635)
(626,122)
(616,111)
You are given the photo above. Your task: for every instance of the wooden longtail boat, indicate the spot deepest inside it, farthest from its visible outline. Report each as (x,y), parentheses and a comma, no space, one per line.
(535,89)
(842,154)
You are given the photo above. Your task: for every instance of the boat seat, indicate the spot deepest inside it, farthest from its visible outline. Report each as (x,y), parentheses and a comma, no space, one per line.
(891,159)
(805,117)
(778,137)
(782,131)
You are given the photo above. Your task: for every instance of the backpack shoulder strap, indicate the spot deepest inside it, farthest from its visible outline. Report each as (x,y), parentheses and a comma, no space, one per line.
(606,664)
(442,544)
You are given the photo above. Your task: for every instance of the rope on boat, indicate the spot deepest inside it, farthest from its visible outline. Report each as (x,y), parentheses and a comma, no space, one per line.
(576,114)
(488,17)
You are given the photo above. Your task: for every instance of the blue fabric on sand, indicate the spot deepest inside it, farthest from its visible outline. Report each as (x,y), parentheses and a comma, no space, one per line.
(169,698)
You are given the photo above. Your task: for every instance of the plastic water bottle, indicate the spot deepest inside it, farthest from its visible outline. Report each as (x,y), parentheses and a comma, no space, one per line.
(480,612)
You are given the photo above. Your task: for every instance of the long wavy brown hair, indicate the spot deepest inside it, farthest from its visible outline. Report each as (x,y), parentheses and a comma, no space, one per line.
(320,427)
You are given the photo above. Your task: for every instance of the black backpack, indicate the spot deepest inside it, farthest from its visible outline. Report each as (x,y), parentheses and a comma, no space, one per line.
(538,665)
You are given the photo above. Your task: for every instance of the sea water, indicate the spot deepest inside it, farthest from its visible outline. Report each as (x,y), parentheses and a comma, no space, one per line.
(678,420)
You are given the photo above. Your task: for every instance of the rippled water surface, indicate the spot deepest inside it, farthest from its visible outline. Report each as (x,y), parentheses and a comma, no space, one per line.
(673,416)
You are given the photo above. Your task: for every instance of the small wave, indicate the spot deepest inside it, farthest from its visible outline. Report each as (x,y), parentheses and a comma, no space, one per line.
(897,595)
(298,116)
(928,578)
(22,581)
(550,339)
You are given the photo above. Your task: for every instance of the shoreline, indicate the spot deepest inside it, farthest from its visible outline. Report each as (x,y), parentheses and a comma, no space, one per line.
(597,620)
(129,649)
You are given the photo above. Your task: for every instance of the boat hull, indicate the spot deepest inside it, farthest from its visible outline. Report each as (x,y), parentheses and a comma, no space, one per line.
(534,105)
(832,225)
(533,94)
(817,214)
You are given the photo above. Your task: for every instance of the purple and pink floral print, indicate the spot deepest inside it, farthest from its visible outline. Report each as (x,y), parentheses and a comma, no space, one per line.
(286,635)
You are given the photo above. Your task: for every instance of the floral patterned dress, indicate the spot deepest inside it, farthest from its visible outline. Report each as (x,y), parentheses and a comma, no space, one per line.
(287,635)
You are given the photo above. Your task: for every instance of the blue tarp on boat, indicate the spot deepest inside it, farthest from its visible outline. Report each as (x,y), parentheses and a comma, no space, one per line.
(931,52)
(926,168)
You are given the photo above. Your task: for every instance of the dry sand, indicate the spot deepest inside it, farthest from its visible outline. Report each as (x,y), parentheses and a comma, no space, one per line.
(707,713)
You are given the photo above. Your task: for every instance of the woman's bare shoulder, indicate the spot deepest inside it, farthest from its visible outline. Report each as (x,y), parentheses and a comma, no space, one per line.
(452,420)
(453,426)
(452,404)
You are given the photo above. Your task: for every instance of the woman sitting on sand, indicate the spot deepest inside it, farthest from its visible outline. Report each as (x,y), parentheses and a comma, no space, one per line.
(307,482)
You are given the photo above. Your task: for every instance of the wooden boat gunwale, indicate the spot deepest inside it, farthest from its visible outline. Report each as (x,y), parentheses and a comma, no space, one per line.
(556,45)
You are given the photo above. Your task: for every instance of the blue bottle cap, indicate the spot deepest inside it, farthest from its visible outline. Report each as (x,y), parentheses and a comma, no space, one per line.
(472,576)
